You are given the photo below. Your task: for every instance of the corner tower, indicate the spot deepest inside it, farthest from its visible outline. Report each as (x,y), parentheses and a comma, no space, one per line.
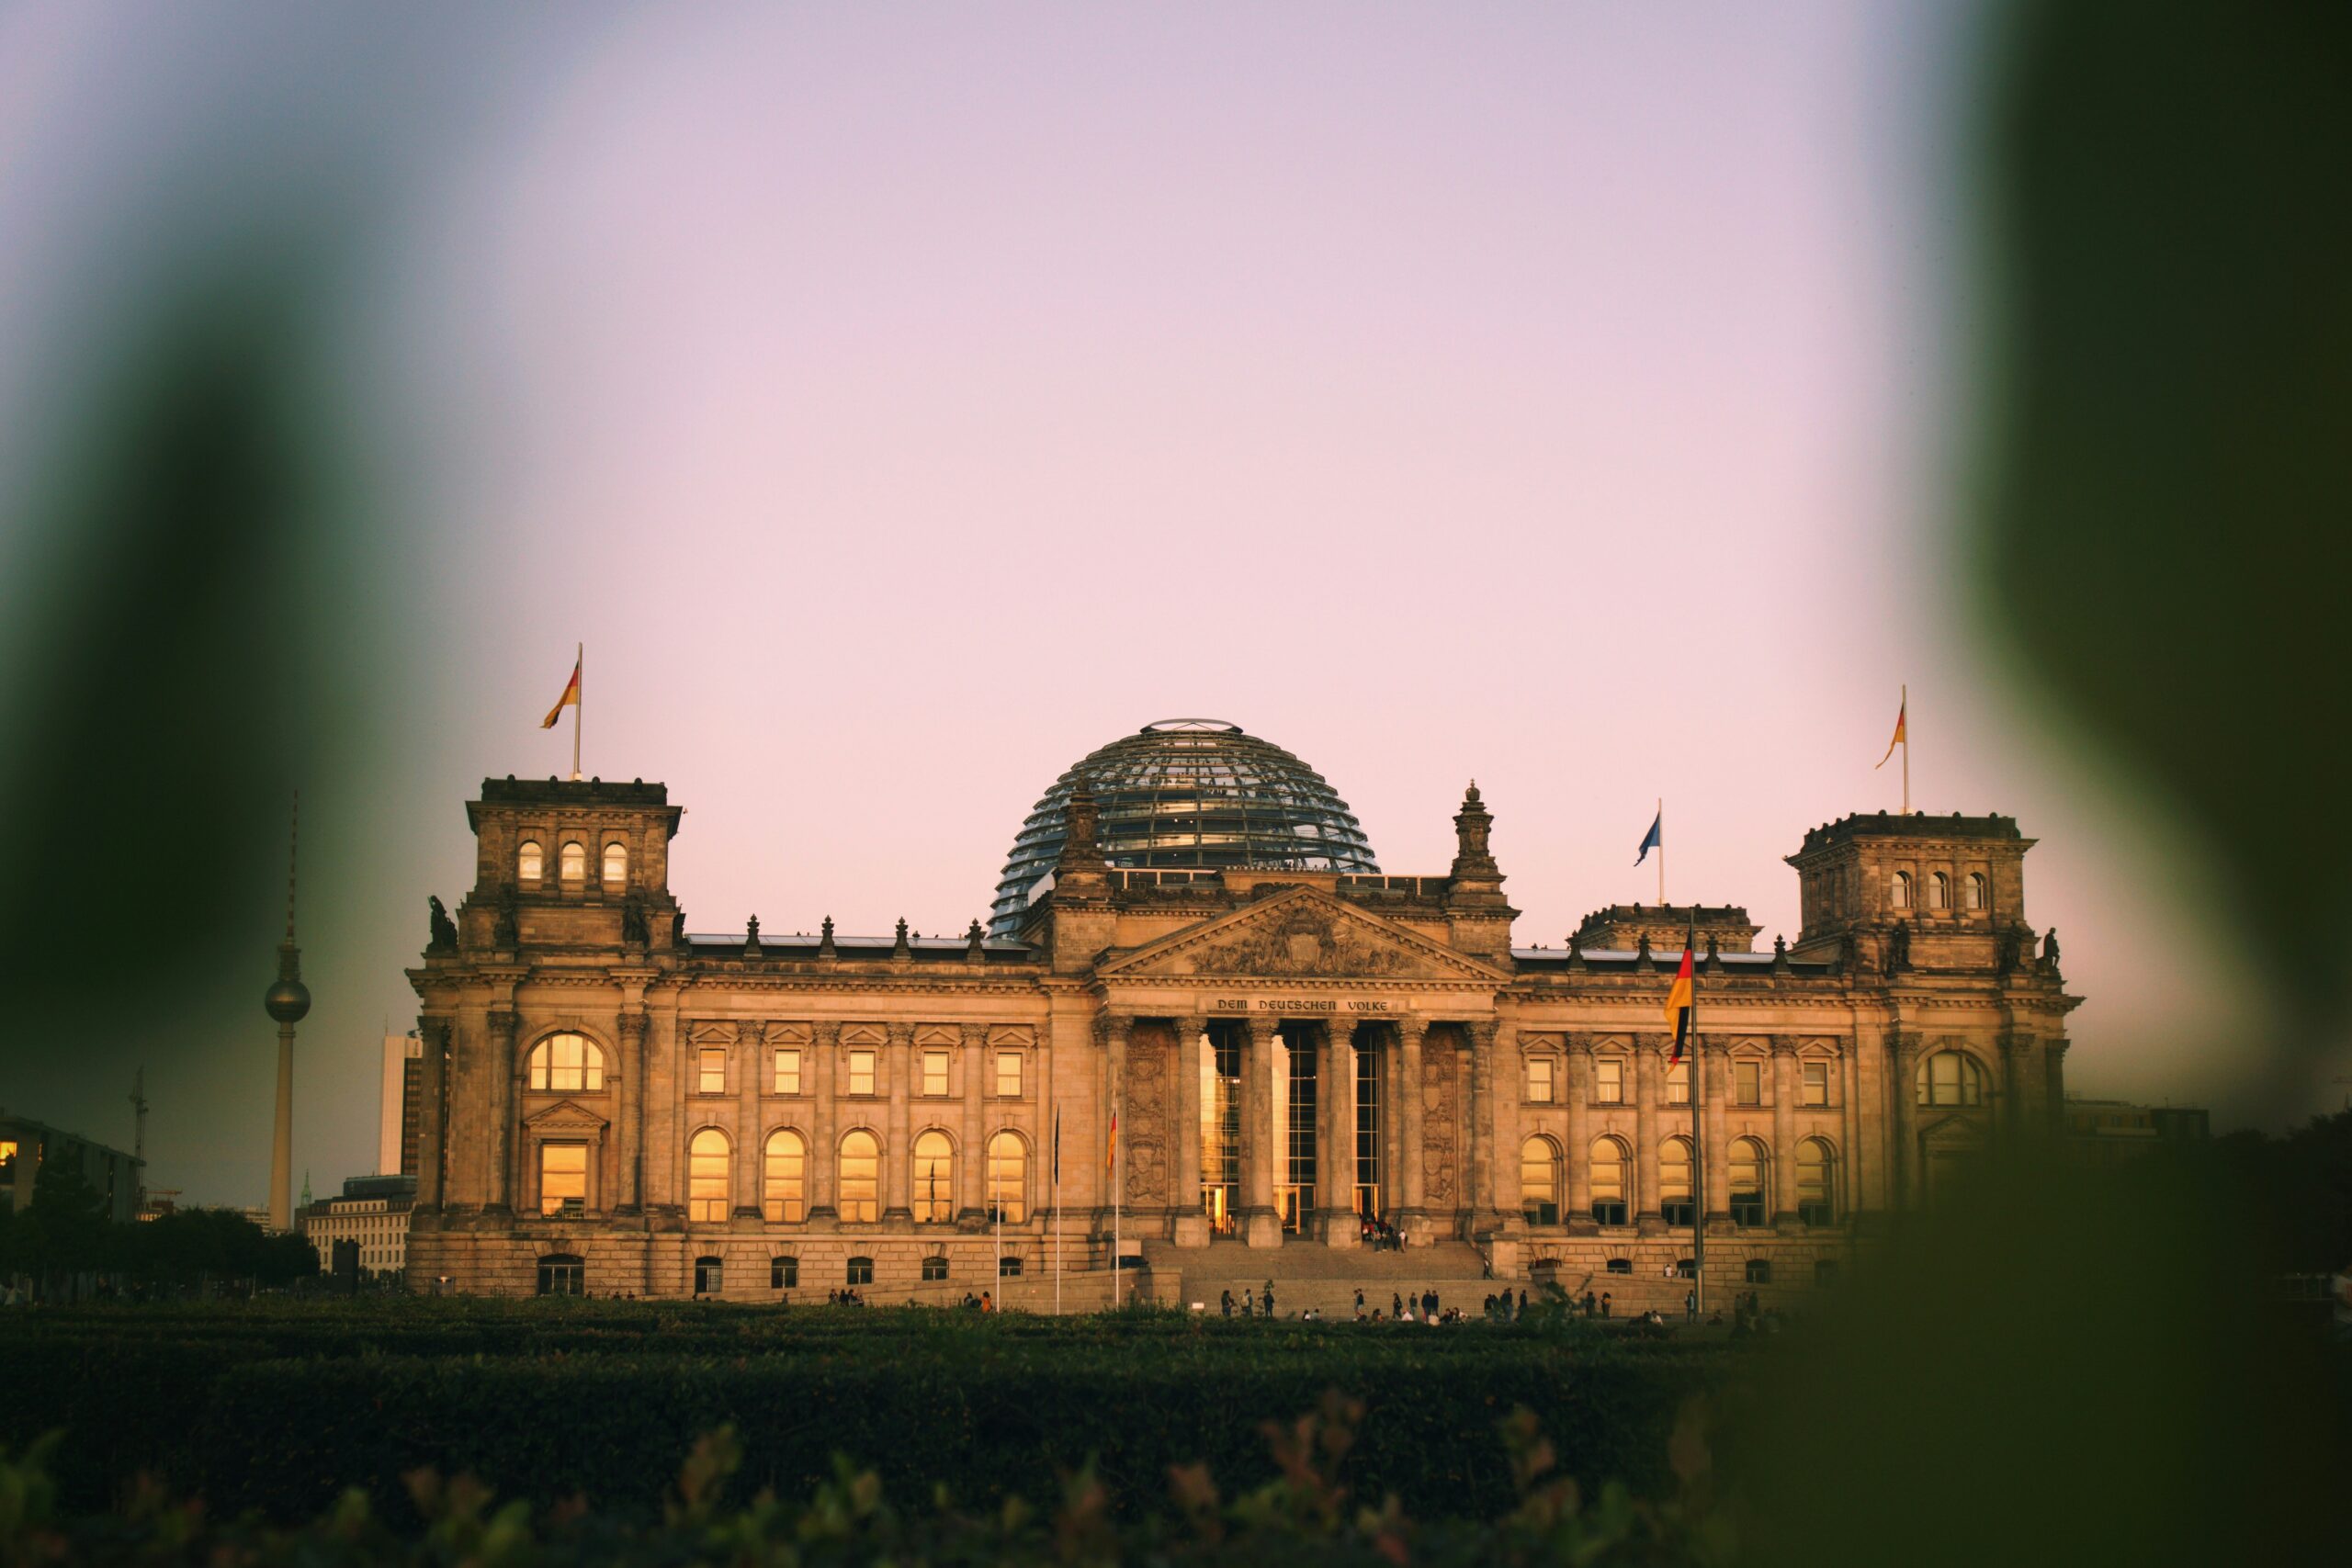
(1954,887)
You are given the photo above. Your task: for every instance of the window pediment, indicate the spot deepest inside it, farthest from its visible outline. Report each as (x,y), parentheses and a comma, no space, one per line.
(566,1117)
(1301,933)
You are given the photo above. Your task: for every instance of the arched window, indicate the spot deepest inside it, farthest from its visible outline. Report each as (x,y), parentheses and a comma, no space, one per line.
(706,1175)
(1948,1077)
(860,1183)
(1674,1200)
(1817,1205)
(784,1273)
(1539,1181)
(615,865)
(861,1271)
(1939,891)
(561,1274)
(1008,1268)
(934,1270)
(530,863)
(1747,1165)
(783,1177)
(1978,893)
(1609,1196)
(710,1276)
(934,1178)
(574,861)
(1008,1178)
(1899,892)
(567,1063)
(1619,1265)
(1759,1271)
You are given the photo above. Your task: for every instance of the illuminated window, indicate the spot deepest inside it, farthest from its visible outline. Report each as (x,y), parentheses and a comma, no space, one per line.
(563,1178)
(784,1273)
(934,1270)
(1609,1081)
(784,1177)
(712,1077)
(1538,1080)
(1677,1082)
(561,1274)
(1815,1203)
(1939,891)
(530,861)
(1814,1089)
(1008,1268)
(711,1276)
(861,1072)
(1747,1182)
(1977,894)
(1674,1200)
(1609,1186)
(1748,1082)
(788,1070)
(615,865)
(1950,1078)
(1899,891)
(861,1177)
(1618,1266)
(575,862)
(706,1175)
(1539,1181)
(934,1072)
(934,1194)
(567,1064)
(861,1271)
(1008,1075)
(1008,1178)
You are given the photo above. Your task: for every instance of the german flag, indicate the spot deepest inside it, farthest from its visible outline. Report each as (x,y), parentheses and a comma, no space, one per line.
(1677,1007)
(571,699)
(1110,1161)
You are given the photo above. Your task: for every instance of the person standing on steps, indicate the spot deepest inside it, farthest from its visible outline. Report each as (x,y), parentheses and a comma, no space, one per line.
(1269,1298)
(1359,1303)
(1225,1304)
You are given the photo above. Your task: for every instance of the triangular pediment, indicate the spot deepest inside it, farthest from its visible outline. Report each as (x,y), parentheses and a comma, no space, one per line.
(565,1116)
(1300,933)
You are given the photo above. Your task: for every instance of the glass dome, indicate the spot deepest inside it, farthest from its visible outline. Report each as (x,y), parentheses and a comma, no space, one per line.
(1190,794)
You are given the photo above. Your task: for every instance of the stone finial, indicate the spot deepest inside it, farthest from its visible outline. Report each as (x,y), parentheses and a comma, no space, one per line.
(1080,871)
(751,937)
(974,940)
(444,937)
(825,948)
(1473,826)
(1576,957)
(1643,961)
(1779,955)
(1714,957)
(898,948)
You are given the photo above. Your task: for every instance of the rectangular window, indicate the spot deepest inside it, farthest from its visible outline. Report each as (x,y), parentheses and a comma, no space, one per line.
(1008,1075)
(1816,1083)
(1678,1083)
(1747,1083)
(861,1072)
(1609,1081)
(712,1079)
(788,1071)
(934,1072)
(563,1179)
(1539,1082)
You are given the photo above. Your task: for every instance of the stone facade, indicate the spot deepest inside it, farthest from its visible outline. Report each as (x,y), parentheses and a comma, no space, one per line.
(1283,1051)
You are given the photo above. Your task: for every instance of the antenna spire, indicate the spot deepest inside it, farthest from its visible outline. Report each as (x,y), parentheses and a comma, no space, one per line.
(293,846)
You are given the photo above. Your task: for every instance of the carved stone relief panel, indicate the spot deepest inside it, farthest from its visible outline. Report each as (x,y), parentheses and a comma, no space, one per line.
(1440,1100)
(1150,1109)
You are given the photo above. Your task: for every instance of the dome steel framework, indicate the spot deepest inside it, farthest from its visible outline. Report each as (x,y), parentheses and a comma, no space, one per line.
(1190,794)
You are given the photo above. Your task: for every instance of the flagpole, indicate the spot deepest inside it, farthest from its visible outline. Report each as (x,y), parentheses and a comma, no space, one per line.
(1057,1211)
(1661,852)
(1906,711)
(579,671)
(1698,1153)
(1118,1190)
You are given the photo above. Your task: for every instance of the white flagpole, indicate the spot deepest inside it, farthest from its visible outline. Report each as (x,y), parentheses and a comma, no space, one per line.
(1118,1190)
(580,699)
(1057,1211)
(1906,711)
(1661,852)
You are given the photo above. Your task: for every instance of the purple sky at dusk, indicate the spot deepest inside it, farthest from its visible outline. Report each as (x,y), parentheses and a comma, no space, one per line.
(902,404)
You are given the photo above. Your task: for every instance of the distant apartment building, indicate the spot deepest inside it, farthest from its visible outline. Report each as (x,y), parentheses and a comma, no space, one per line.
(2101,1132)
(372,1212)
(403,1086)
(25,1145)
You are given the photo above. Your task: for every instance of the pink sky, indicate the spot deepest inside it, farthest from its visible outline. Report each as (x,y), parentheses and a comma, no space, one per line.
(901,405)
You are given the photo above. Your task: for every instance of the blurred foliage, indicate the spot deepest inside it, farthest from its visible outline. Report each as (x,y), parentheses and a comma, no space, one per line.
(2170,387)
(64,1233)
(2295,1191)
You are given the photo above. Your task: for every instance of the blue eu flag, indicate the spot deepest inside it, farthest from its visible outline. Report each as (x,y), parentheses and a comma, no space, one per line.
(1655,838)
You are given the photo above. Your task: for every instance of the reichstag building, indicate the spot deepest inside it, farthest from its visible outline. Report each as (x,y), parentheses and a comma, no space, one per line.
(1194,935)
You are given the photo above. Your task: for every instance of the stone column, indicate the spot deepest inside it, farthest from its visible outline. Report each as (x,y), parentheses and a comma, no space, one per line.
(1579,1214)
(500,1197)
(897,1158)
(1480,1196)
(1511,1128)
(433,1114)
(971,1198)
(1191,1223)
(824,1168)
(1260,1144)
(1903,1053)
(1336,1170)
(1412,1214)
(2054,1087)
(1649,1078)
(1784,1132)
(1716,1061)
(630,1110)
(750,1042)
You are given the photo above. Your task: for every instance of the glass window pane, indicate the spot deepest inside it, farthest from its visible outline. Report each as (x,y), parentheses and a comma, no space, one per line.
(712,1079)
(860,1172)
(934,1072)
(1008,1075)
(861,1072)
(1609,1081)
(707,1165)
(788,1071)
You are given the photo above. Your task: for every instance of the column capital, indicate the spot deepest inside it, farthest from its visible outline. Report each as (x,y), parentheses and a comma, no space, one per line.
(750,1030)
(899,1033)
(826,1031)
(975,1035)
(1481,1031)
(633,1027)
(1651,1044)
(1579,1043)
(504,1022)
(1411,1030)
(1784,1045)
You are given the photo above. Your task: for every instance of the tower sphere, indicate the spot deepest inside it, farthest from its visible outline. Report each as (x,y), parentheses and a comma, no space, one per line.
(1189,794)
(287,1000)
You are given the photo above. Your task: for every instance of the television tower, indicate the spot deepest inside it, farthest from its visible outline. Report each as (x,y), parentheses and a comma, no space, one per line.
(139,1135)
(287,1001)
